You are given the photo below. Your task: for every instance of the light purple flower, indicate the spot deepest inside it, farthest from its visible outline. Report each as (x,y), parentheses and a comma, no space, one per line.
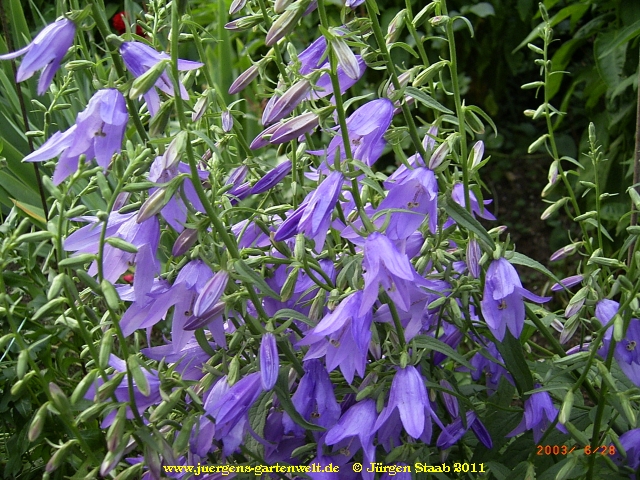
(45,53)
(408,396)
(313,216)
(418,193)
(269,363)
(98,134)
(343,337)
(539,413)
(356,424)
(503,299)
(279,107)
(473,257)
(455,431)
(140,58)
(384,265)
(294,128)
(478,210)
(314,399)
(272,178)
(630,442)
(366,128)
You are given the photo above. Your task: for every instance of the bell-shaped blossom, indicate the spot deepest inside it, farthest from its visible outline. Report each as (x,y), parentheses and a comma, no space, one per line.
(45,53)
(503,299)
(539,413)
(98,134)
(626,350)
(417,193)
(366,128)
(139,58)
(314,399)
(314,216)
(269,363)
(232,407)
(175,210)
(384,265)
(491,364)
(408,397)
(455,431)
(356,430)
(343,337)
(211,293)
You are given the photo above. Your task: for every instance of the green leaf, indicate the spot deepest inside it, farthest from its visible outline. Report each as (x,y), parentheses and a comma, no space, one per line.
(464,219)
(436,345)
(511,350)
(425,99)
(247,274)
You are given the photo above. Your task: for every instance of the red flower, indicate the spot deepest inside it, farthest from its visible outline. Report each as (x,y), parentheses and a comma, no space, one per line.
(118,23)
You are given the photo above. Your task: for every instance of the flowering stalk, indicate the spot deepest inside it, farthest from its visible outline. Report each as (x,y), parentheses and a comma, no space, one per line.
(219,227)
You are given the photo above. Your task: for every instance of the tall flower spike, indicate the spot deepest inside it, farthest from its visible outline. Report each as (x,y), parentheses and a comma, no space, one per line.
(98,134)
(45,53)
(140,58)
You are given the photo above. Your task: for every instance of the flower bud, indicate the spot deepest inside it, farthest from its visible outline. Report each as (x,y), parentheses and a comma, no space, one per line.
(395,27)
(244,23)
(59,456)
(282,26)
(295,127)
(346,58)
(116,430)
(428,73)
(236,6)
(152,206)
(439,155)
(554,207)
(147,80)
(272,178)
(439,20)
(473,258)
(244,79)
(284,105)
(184,242)
(269,362)
(262,139)
(211,293)
(477,151)
(227,121)
(289,285)
(565,251)
(199,108)
(37,424)
(171,156)
(59,399)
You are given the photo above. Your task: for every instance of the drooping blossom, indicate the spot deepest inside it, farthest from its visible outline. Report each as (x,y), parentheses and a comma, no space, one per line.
(342,337)
(98,134)
(45,53)
(503,299)
(490,363)
(455,431)
(630,442)
(272,178)
(539,413)
(384,266)
(140,58)
(313,399)
(408,398)
(313,217)
(477,209)
(366,127)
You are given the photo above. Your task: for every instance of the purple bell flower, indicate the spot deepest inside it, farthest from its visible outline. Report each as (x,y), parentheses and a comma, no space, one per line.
(98,134)
(630,442)
(418,193)
(357,426)
(314,399)
(384,265)
(478,210)
(366,128)
(503,299)
(539,413)
(313,216)
(348,339)
(45,53)
(409,396)
(454,432)
(140,58)
(272,178)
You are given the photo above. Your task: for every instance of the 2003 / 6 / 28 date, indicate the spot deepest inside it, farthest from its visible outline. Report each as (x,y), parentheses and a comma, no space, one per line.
(564,450)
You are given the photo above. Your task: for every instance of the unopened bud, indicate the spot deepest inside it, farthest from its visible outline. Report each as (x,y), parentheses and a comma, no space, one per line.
(59,399)
(199,108)
(439,20)
(152,206)
(184,242)
(284,105)
(172,155)
(395,27)
(116,430)
(147,80)
(244,79)
(236,6)
(289,285)
(295,127)
(244,23)
(280,6)
(477,151)
(269,361)
(554,207)
(282,26)
(58,457)
(565,251)
(428,73)
(439,155)
(567,405)
(37,424)
(227,121)
(346,58)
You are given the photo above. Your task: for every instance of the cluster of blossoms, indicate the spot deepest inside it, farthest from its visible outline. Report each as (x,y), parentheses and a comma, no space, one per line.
(349,278)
